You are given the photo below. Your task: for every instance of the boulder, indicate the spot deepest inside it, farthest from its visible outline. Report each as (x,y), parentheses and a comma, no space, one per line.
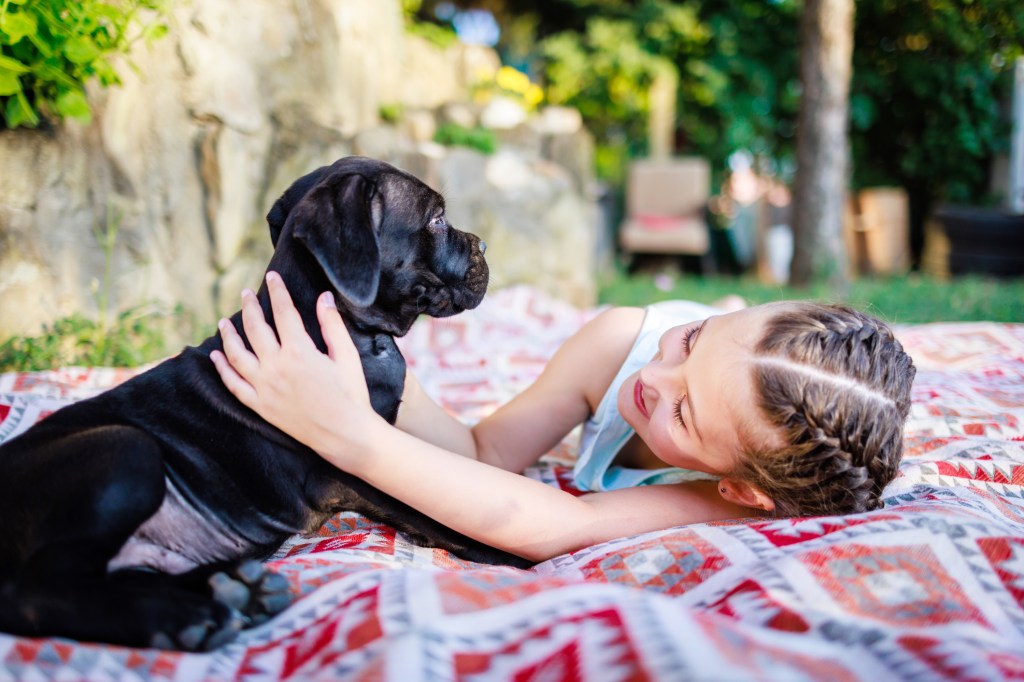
(216,119)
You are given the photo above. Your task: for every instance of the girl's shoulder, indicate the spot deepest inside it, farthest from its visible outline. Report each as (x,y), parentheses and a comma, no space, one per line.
(590,359)
(613,331)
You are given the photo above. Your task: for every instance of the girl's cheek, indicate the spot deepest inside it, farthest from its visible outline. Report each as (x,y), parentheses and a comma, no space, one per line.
(662,436)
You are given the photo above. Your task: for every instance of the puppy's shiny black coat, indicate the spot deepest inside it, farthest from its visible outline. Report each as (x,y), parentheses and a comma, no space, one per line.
(116,511)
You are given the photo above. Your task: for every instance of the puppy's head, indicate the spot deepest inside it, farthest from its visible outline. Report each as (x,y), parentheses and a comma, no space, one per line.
(382,240)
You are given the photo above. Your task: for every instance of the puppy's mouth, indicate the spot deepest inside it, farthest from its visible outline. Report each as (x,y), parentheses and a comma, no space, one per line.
(445,297)
(446,301)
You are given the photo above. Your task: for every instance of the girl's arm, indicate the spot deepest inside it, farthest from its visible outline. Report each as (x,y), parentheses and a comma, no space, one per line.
(292,385)
(420,416)
(512,512)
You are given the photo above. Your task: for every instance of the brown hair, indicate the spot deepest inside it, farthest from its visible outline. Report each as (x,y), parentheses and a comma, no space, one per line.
(834,384)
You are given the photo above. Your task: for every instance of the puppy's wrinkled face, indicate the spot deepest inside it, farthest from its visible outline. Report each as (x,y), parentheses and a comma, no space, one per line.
(426,264)
(381,237)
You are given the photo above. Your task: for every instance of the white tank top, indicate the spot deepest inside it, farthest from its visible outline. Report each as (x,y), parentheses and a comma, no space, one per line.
(605,432)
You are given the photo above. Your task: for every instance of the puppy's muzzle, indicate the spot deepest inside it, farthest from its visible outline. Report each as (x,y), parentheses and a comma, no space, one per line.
(464,283)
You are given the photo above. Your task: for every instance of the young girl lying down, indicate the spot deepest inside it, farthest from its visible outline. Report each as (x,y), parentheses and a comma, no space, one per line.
(688,415)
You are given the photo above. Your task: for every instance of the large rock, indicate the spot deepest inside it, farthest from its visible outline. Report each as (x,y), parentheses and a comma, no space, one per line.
(189,153)
(539,229)
(220,116)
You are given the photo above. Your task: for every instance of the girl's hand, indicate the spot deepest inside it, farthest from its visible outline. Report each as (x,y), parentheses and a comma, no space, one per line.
(320,400)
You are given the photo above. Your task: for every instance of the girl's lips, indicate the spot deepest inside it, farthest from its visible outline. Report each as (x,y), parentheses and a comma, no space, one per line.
(638,398)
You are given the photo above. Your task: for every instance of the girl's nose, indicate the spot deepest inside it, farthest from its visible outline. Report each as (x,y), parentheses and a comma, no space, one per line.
(660,374)
(652,377)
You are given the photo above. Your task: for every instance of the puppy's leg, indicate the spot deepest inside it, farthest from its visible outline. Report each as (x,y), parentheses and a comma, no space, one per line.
(70,500)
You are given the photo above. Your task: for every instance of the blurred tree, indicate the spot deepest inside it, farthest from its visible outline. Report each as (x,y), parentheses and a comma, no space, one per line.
(819,192)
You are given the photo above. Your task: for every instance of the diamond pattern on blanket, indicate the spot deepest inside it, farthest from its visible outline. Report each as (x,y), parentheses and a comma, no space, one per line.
(670,564)
(905,584)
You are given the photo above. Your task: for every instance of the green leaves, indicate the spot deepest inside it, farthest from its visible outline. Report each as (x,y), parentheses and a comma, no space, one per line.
(81,50)
(72,104)
(19,112)
(927,94)
(927,102)
(18,25)
(735,61)
(9,84)
(49,50)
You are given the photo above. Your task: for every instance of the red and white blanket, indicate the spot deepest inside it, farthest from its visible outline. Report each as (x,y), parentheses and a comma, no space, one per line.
(930,587)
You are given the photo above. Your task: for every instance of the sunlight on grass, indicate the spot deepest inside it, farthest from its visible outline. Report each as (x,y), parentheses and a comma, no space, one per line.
(901,300)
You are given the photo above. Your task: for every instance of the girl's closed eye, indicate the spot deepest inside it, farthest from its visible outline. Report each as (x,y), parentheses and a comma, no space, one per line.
(677,411)
(687,342)
(689,337)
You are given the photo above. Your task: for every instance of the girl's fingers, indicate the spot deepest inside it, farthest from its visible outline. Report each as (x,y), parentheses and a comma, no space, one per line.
(261,335)
(336,336)
(286,317)
(241,360)
(239,387)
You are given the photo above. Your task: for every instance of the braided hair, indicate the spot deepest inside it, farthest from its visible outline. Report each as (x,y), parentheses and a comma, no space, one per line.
(835,385)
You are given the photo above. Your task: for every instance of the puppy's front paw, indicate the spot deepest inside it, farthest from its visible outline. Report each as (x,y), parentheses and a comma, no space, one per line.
(219,627)
(252,590)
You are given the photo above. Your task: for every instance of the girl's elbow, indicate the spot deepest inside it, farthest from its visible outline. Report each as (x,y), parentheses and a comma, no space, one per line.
(537,554)
(551,547)
(484,452)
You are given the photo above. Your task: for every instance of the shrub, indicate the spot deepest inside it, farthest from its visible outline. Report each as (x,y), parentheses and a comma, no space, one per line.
(50,49)
(134,337)
(480,139)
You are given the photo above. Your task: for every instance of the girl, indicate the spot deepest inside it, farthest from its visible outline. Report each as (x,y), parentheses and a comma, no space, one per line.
(789,408)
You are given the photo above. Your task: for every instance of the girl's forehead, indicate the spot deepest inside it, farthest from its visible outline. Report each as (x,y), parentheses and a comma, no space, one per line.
(743,327)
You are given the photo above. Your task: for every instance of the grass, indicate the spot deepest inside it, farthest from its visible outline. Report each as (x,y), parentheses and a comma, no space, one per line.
(912,299)
(131,338)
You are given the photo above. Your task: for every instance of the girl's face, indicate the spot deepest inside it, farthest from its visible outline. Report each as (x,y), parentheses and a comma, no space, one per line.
(690,402)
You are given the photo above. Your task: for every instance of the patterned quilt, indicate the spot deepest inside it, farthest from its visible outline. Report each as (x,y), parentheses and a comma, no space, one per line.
(930,587)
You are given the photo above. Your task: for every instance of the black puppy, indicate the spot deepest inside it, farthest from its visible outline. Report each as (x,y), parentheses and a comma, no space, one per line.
(128,518)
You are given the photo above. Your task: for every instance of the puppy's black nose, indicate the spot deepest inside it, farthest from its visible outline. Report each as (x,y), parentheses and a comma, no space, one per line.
(483,246)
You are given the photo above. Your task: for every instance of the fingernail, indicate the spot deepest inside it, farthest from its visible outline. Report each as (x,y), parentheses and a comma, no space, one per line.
(327,299)
(222,324)
(247,292)
(273,276)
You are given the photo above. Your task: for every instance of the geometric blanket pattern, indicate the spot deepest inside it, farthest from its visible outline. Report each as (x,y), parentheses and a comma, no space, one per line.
(929,587)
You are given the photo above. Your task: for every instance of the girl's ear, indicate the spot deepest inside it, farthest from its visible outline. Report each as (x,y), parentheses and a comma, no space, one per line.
(744,494)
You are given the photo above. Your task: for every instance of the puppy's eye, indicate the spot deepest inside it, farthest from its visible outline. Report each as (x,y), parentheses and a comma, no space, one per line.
(438,221)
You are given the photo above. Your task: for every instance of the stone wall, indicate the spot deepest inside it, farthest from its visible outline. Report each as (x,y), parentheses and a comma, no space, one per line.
(241,98)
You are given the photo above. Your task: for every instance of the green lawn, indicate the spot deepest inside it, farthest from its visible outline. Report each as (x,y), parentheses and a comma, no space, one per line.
(903,300)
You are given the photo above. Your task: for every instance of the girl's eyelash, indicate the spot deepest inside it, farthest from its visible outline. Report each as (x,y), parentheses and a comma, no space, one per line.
(688,338)
(677,411)
(677,408)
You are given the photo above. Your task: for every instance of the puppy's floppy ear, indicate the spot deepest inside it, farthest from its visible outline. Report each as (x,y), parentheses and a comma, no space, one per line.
(335,221)
(279,212)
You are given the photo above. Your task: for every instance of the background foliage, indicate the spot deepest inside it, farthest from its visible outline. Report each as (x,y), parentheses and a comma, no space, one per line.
(928,97)
(133,337)
(735,61)
(50,49)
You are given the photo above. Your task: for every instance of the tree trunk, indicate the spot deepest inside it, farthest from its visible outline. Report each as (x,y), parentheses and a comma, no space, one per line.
(819,193)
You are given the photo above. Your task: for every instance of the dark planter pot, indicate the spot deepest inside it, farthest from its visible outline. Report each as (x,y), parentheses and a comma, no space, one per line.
(983,241)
